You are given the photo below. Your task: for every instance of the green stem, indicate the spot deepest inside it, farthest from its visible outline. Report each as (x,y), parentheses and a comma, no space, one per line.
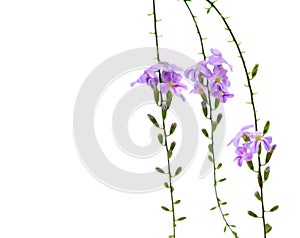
(211,125)
(215,169)
(164,127)
(252,103)
(242,58)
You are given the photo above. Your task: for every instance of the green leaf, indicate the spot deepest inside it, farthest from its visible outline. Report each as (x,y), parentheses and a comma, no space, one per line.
(257,195)
(254,71)
(173,127)
(266,128)
(217,103)
(208,10)
(235,234)
(219,166)
(250,165)
(213,208)
(160,139)
(159,170)
(164,113)
(268,228)
(166,185)
(181,219)
(203,95)
(266,173)
(273,209)
(222,180)
(223,203)
(170,154)
(226,214)
(259,149)
(250,213)
(225,228)
(245,138)
(204,108)
(210,158)
(178,171)
(156,95)
(269,154)
(165,208)
(177,202)
(259,180)
(210,148)
(204,131)
(172,146)
(214,125)
(153,120)
(219,118)
(169,99)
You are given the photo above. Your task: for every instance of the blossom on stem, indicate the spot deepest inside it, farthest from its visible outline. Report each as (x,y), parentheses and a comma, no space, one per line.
(216,81)
(243,154)
(199,69)
(252,143)
(219,83)
(149,77)
(257,140)
(236,140)
(199,88)
(163,76)
(217,58)
(171,82)
(221,94)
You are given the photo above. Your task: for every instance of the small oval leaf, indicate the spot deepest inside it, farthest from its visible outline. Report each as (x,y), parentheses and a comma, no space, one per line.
(204,131)
(159,170)
(250,213)
(165,208)
(178,171)
(153,120)
(273,209)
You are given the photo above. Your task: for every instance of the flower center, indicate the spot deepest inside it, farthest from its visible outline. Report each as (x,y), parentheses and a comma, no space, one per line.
(171,84)
(258,138)
(218,80)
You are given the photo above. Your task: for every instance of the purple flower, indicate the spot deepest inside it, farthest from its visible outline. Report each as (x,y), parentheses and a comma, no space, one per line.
(219,83)
(166,66)
(243,154)
(171,82)
(236,139)
(199,69)
(221,94)
(170,78)
(217,59)
(253,146)
(199,88)
(149,77)
(219,76)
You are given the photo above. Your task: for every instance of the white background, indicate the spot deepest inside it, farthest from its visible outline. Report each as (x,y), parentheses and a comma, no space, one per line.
(47,49)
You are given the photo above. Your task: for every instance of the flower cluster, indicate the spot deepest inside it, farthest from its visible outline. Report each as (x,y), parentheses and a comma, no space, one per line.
(251,145)
(215,80)
(170,76)
(165,76)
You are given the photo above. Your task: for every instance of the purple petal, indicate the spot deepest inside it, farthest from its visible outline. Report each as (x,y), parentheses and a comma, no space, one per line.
(164,88)
(267,143)
(248,156)
(239,160)
(240,150)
